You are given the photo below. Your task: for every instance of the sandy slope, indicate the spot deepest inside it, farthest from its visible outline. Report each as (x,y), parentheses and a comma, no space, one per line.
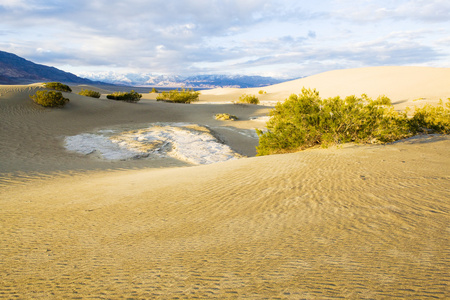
(402,85)
(357,222)
(31,137)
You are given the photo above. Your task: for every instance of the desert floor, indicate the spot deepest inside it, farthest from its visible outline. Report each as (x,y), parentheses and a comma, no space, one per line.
(351,222)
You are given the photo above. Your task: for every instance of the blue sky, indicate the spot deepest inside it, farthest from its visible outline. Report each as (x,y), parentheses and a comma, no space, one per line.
(289,38)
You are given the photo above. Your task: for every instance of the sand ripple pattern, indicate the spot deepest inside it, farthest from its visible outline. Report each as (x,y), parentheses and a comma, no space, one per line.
(353,223)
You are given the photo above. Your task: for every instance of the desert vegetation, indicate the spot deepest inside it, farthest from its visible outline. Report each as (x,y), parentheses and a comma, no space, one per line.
(262,92)
(49,98)
(58,86)
(154,90)
(131,96)
(89,93)
(306,120)
(248,99)
(225,117)
(432,119)
(179,96)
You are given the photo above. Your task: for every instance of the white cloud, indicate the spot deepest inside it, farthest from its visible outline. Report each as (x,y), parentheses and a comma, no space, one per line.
(41,50)
(218,36)
(430,11)
(11,3)
(370,11)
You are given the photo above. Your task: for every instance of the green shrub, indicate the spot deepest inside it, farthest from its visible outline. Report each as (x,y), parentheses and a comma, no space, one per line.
(432,118)
(261,92)
(154,90)
(250,99)
(307,120)
(131,96)
(89,93)
(381,100)
(49,98)
(58,86)
(176,96)
(225,117)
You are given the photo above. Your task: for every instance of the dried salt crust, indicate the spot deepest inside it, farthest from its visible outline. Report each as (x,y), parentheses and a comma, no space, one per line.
(188,142)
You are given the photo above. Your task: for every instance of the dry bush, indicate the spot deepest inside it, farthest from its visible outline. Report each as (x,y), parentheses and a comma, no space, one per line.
(306,120)
(49,98)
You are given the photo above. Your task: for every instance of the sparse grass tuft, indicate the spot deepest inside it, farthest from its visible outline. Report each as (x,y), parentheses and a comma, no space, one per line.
(49,98)
(89,93)
(176,96)
(431,118)
(225,117)
(131,96)
(249,99)
(58,86)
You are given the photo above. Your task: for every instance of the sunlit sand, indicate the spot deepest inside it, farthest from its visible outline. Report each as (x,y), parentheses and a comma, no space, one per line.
(101,199)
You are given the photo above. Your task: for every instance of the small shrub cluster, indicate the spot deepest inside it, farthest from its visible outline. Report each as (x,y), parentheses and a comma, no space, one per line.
(250,99)
(262,92)
(430,118)
(49,98)
(225,117)
(307,120)
(131,96)
(58,86)
(89,93)
(176,96)
(154,90)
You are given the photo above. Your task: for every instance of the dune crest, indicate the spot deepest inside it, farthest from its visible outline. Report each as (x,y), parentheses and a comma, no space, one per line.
(402,85)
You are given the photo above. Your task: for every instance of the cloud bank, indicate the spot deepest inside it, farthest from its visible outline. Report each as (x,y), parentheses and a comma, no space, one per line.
(253,37)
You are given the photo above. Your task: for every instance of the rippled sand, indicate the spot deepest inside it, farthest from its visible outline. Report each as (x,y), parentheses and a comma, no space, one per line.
(356,222)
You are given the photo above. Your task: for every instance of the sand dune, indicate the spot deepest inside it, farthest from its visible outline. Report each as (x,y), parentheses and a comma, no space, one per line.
(402,85)
(356,222)
(32,137)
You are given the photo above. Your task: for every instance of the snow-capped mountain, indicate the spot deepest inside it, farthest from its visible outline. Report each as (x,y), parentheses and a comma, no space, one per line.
(17,70)
(199,81)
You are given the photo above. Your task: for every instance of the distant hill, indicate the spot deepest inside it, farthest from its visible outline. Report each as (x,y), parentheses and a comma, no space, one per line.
(198,81)
(239,81)
(17,70)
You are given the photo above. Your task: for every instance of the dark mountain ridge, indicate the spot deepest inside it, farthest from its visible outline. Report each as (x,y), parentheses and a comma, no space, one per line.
(17,70)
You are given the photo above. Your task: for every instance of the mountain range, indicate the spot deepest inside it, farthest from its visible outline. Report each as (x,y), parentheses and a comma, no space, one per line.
(197,81)
(17,70)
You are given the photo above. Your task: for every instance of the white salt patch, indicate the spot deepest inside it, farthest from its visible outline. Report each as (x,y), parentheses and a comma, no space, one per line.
(87,143)
(250,133)
(269,103)
(106,131)
(191,143)
(260,119)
